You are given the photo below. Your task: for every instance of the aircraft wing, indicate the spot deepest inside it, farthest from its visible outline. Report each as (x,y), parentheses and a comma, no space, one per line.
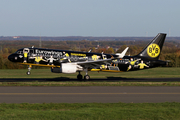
(40,65)
(94,64)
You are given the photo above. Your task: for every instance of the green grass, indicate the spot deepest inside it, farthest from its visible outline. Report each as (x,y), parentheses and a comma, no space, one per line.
(36,83)
(54,79)
(162,72)
(91,111)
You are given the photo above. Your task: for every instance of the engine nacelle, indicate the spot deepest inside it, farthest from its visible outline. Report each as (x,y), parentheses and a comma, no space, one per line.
(65,68)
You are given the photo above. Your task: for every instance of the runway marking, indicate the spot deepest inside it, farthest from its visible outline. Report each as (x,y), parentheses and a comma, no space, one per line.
(89,93)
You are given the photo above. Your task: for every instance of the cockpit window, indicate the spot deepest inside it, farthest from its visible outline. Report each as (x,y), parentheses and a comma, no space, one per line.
(20,51)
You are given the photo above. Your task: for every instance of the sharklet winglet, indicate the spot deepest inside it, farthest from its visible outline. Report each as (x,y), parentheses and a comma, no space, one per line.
(121,55)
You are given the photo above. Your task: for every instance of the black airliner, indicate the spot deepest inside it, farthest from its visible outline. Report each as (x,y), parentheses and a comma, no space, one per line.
(63,61)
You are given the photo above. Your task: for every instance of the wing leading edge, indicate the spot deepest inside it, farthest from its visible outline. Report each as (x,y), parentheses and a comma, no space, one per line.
(94,64)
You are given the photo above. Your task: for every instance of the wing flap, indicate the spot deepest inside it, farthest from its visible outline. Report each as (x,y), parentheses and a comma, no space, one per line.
(94,64)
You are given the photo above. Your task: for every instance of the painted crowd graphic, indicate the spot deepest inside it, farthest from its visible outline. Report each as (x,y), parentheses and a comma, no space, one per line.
(54,57)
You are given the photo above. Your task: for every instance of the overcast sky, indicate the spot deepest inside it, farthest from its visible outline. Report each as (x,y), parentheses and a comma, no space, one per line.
(114,18)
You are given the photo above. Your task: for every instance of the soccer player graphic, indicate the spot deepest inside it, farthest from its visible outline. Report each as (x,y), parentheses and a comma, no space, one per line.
(132,64)
(25,53)
(51,59)
(142,65)
(38,59)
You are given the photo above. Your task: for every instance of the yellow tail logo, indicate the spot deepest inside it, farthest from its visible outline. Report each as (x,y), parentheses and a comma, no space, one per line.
(153,50)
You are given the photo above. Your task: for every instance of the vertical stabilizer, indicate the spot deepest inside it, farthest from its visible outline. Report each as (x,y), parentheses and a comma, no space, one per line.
(154,48)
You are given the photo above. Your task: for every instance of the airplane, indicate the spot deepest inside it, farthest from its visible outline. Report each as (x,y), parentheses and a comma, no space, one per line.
(63,61)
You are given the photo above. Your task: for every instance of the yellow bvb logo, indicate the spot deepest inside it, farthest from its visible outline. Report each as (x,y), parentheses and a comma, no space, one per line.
(153,50)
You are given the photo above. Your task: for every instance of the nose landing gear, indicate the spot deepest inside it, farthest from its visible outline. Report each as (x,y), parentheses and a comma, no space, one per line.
(29,69)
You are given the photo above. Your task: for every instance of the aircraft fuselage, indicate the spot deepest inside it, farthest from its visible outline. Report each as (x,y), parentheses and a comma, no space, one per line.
(63,61)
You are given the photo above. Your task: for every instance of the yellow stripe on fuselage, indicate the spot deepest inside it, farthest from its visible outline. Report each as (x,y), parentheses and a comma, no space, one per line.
(106,70)
(95,70)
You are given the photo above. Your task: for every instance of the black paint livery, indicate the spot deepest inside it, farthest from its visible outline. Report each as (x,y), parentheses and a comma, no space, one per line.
(63,61)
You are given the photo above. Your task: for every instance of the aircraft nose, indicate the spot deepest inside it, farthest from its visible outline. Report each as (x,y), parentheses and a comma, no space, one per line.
(11,57)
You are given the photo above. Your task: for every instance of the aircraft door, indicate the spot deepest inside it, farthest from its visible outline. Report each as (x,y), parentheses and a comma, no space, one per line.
(31,52)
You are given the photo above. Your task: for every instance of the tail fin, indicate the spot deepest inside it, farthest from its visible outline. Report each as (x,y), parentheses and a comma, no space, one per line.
(153,49)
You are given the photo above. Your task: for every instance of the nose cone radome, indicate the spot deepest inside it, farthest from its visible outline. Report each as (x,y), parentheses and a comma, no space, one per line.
(11,58)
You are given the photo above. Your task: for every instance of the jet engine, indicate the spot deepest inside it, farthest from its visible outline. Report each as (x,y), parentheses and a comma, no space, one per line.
(65,68)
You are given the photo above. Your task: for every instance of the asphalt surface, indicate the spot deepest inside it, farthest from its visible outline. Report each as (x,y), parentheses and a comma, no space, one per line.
(101,94)
(108,79)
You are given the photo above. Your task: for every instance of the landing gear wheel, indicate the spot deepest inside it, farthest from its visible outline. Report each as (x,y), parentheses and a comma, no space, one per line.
(86,77)
(28,72)
(79,77)
(29,69)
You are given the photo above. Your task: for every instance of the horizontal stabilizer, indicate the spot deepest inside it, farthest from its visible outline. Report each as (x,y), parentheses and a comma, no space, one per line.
(121,55)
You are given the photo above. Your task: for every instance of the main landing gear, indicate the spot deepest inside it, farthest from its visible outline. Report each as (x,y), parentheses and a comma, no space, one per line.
(29,69)
(86,77)
(79,76)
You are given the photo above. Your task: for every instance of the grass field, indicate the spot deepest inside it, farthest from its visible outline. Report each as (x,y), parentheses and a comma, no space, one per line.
(91,111)
(162,72)
(55,79)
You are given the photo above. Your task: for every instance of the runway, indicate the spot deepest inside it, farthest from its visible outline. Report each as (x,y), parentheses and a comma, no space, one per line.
(100,94)
(108,79)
